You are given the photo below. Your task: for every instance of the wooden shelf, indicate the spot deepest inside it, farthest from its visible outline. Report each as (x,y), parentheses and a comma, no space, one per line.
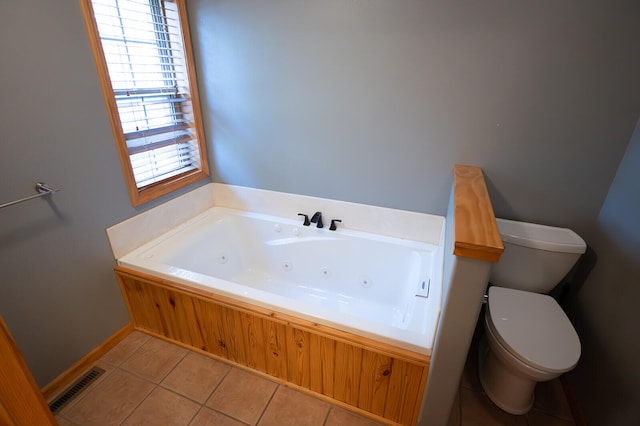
(476,234)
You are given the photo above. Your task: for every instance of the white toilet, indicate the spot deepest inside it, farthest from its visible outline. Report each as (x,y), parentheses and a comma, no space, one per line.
(528,338)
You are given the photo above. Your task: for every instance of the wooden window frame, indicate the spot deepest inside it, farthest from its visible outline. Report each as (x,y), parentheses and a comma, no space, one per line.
(150,192)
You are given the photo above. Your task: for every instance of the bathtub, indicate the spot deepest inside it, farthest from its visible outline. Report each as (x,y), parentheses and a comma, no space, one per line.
(379,287)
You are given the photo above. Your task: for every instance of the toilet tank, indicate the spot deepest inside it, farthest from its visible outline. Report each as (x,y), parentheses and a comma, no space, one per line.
(536,257)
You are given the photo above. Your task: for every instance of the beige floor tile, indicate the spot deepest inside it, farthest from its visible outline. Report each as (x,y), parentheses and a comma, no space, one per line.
(154,359)
(64,422)
(341,417)
(163,407)
(208,417)
(242,395)
(196,376)
(110,401)
(550,398)
(478,410)
(289,407)
(539,418)
(125,348)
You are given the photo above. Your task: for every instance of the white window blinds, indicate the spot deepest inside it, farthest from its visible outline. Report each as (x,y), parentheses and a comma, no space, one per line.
(143,47)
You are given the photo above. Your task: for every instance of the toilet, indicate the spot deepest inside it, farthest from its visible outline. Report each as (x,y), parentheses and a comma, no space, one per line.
(528,337)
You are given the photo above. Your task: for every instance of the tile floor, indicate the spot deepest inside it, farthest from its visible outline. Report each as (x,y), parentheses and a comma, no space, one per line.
(148,381)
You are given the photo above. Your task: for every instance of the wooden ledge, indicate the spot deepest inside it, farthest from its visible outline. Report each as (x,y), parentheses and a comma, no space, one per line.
(476,234)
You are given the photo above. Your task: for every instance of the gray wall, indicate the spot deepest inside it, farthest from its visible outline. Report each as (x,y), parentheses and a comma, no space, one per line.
(362,100)
(604,308)
(374,101)
(58,294)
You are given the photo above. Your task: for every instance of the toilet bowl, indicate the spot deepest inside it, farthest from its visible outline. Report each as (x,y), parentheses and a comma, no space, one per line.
(528,337)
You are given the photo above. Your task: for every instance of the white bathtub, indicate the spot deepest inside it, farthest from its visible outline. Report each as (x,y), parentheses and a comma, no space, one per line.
(384,288)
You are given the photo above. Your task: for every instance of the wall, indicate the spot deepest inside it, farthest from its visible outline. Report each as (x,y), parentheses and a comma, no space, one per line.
(464,282)
(374,101)
(58,294)
(362,100)
(604,308)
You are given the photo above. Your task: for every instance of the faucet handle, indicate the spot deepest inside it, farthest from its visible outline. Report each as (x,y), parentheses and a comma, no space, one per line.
(317,218)
(333,226)
(306,219)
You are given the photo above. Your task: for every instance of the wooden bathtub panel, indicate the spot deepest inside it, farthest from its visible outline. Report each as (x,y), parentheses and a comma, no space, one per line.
(403,384)
(211,324)
(298,357)
(254,342)
(234,335)
(348,364)
(374,382)
(180,324)
(355,371)
(142,309)
(275,336)
(321,364)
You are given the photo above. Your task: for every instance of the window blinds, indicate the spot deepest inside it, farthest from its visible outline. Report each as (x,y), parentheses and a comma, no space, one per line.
(143,47)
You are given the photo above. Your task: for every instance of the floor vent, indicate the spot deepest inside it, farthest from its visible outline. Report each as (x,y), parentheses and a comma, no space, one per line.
(75,389)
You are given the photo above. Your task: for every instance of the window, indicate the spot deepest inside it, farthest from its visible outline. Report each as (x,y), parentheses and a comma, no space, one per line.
(143,54)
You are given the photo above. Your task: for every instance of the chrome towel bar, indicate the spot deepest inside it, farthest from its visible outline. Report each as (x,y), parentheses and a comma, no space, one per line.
(42,188)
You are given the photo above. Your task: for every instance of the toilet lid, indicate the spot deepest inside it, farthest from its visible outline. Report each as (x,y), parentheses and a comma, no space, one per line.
(534,329)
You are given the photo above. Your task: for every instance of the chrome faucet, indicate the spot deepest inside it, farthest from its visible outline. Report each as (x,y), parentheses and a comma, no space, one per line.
(317,218)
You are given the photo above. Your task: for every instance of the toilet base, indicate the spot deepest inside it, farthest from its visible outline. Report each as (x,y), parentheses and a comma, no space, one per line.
(511,392)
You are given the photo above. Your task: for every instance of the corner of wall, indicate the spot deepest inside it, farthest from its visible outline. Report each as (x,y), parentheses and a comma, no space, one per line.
(464,283)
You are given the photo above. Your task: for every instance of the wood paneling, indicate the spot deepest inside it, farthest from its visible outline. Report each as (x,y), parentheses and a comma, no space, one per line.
(348,364)
(21,402)
(374,382)
(403,385)
(254,342)
(298,357)
(359,372)
(476,232)
(275,335)
(322,364)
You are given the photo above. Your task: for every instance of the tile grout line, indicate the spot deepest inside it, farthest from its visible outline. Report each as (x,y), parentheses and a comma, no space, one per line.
(132,352)
(264,410)
(138,405)
(203,405)
(196,414)
(326,417)
(219,383)
(180,395)
(137,375)
(156,385)
(174,366)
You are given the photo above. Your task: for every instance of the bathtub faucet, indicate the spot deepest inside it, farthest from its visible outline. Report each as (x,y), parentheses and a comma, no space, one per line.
(306,219)
(317,218)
